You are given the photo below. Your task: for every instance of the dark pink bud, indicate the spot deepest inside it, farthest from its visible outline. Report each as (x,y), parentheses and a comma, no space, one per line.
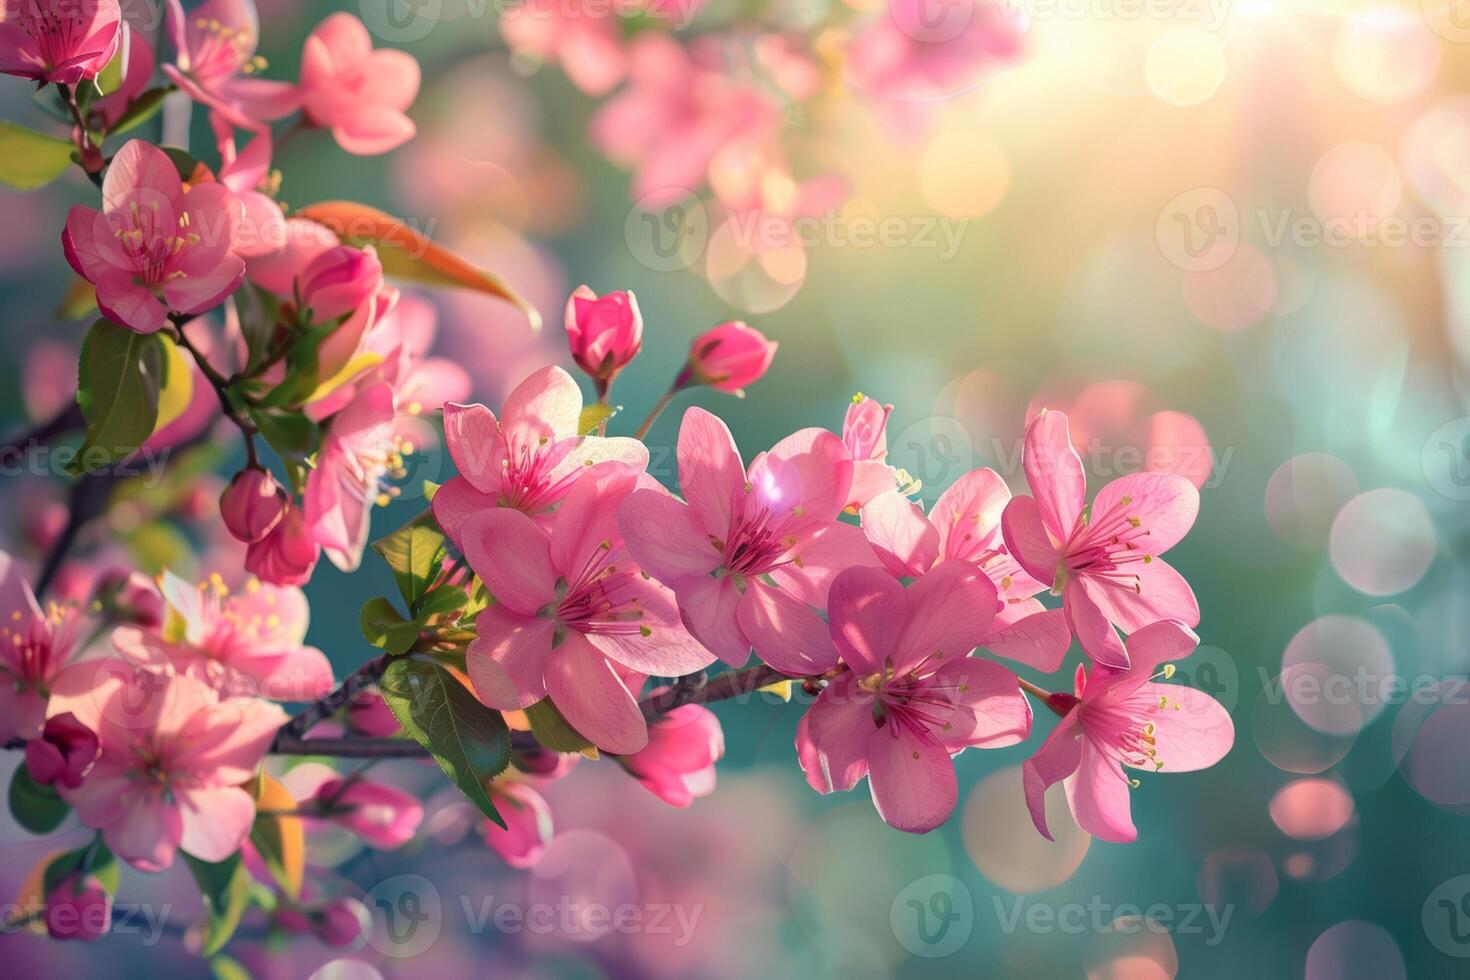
(342,922)
(78,908)
(253,504)
(729,357)
(64,753)
(368,714)
(339,281)
(285,556)
(605,332)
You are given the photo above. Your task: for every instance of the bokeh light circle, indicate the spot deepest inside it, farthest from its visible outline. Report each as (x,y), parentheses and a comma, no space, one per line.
(1184,67)
(964,174)
(1355,950)
(1003,843)
(1341,673)
(1304,495)
(1382,541)
(1238,876)
(1386,54)
(1311,809)
(1235,294)
(1354,187)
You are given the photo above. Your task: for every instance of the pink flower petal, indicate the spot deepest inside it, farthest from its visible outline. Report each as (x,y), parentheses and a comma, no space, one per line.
(1166,505)
(507,659)
(987,708)
(1057,759)
(709,607)
(905,540)
(1038,640)
(1161,593)
(664,537)
(1094,631)
(587,690)
(456,502)
(513,558)
(912,780)
(1098,795)
(967,514)
(711,476)
(1054,473)
(471,432)
(1027,539)
(950,610)
(866,612)
(832,737)
(216,820)
(823,554)
(786,633)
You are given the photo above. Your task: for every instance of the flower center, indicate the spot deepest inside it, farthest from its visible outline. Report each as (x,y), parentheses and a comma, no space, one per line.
(1105,548)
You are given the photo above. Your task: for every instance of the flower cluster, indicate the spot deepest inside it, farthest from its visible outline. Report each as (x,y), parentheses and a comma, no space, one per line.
(555,602)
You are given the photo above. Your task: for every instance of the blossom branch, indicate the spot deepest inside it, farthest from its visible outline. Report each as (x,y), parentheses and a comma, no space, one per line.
(221,386)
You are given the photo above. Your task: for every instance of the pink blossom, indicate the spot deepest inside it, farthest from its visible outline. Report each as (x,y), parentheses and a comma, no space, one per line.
(605,332)
(247,173)
(287,555)
(137,73)
(585,39)
(359,451)
(368,714)
(78,907)
(527,831)
(252,504)
(360,94)
(249,641)
(753,553)
(913,696)
(729,357)
(341,922)
(679,109)
(865,434)
(678,763)
(64,753)
(1121,719)
(280,269)
(574,617)
(965,525)
(907,53)
(527,460)
(62,42)
(1102,560)
(34,648)
(214,45)
(155,247)
(339,281)
(174,756)
(384,817)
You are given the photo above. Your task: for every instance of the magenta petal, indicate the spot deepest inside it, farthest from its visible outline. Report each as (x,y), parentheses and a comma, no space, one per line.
(988,709)
(1054,473)
(912,780)
(967,514)
(587,690)
(950,610)
(197,293)
(1057,759)
(1165,504)
(866,610)
(1027,539)
(1194,735)
(216,820)
(1038,640)
(587,520)
(786,633)
(1098,794)
(513,558)
(455,503)
(809,470)
(1161,593)
(663,536)
(471,432)
(1094,631)
(823,554)
(527,828)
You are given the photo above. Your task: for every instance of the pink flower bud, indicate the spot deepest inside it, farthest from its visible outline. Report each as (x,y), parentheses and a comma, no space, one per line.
(678,764)
(368,714)
(605,332)
(132,597)
(64,753)
(78,908)
(729,357)
(342,922)
(285,556)
(253,504)
(382,816)
(339,281)
(544,762)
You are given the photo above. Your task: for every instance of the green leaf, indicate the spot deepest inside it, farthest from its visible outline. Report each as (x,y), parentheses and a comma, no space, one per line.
(444,599)
(385,628)
(227,968)
(141,109)
(470,742)
(29,159)
(555,732)
(39,809)
(225,888)
(118,384)
(94,858)
(289,434)
(594,415)
(415,552)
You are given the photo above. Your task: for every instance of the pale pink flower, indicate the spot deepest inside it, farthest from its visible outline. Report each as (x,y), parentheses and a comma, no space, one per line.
(605,332)
(287,555)
(906,52)
(252,504)
(360,94)
(678,763)
(574,615)
(215,63)
(262,229)
(586,40)
(865,434)
(753,553)
(62,41)
(679,109)
(174,756)
(1121,719)
(248,641)
(34,648)
(155,247)
(527,831)
(529,459)
(279,270)
(1102,560)
(728,357)
(383,816)
(913,696)
(965,525)
(359,452)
